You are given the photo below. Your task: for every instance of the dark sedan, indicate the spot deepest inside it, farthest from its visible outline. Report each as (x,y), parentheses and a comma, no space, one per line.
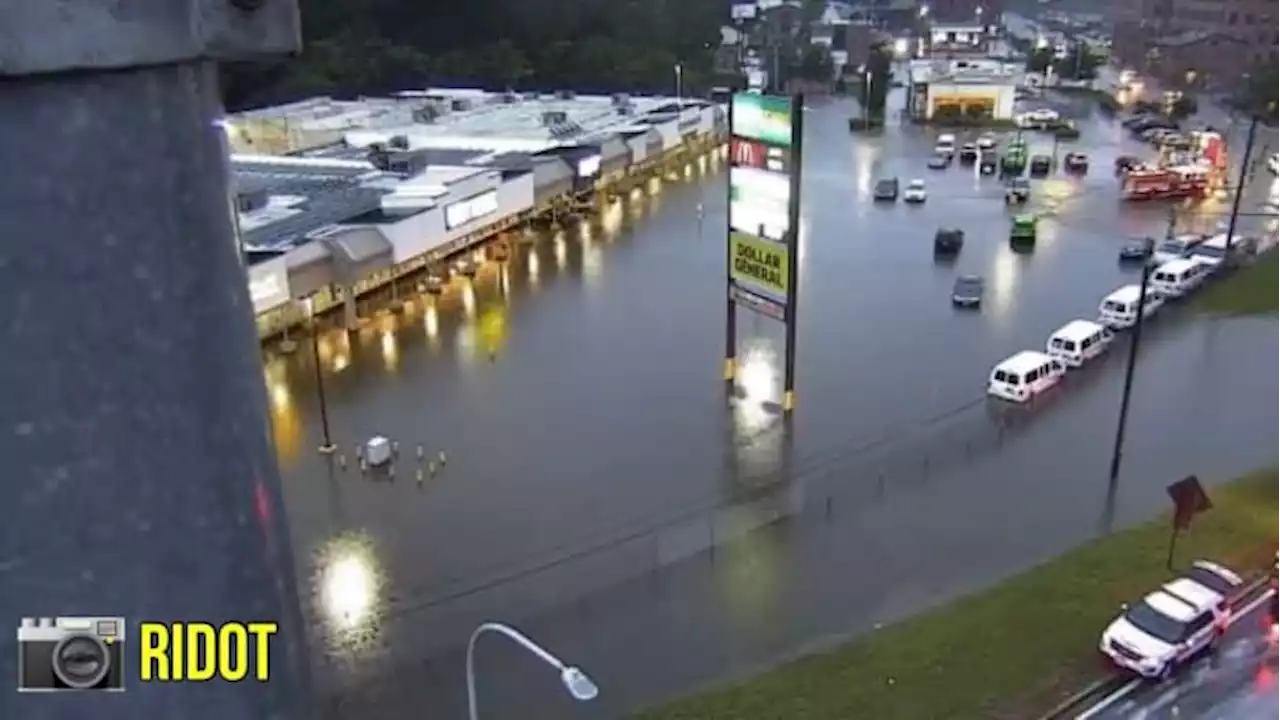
(886,190)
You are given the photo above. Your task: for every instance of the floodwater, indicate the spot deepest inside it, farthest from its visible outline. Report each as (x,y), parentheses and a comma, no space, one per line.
(598,490)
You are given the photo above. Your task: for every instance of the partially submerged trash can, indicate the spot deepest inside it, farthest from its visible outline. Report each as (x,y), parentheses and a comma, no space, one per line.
(378,450)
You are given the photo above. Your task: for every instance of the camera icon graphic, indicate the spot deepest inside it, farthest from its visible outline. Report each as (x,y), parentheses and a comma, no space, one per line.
(71,654)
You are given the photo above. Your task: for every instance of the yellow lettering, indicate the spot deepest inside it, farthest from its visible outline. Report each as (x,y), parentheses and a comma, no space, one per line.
(178,639)
(153,642)
(233,652)
(263,632)
(202,651)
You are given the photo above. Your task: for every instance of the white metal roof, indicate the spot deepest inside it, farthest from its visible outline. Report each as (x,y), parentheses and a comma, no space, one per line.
(1126,294)
(1023,362)
(1077,330)
(1177,266)
(1173,607)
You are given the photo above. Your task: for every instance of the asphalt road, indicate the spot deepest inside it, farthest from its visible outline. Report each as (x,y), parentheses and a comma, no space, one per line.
(1237,682)
(598,493)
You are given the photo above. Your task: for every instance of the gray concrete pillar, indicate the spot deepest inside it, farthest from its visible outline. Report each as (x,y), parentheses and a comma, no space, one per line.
(350,314)
(138,477)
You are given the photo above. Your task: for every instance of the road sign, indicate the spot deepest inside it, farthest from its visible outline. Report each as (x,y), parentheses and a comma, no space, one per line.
(1189,500)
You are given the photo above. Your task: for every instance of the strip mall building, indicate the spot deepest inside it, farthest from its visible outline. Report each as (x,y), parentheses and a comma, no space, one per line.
(323,223)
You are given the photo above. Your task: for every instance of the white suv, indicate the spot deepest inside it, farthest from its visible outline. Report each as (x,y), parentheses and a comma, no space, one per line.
(1173,624)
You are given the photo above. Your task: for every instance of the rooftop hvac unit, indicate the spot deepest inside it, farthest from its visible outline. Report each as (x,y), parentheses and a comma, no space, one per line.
(251,200)
(565,95)
(398,142)
(531,95)
(426,114)
(460,104)
(625,110)
(551,118)
(620,99)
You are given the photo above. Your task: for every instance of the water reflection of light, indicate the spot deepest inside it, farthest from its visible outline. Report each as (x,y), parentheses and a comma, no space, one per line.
(469,299)
(390,350)
(584,232)
(431,321)
(349,584)
(493,328)
(504,282)
(865,176)
(592,264)
(286,426)
(534,267)
(759,384)
(611,220)
(562,252)
(1004,284)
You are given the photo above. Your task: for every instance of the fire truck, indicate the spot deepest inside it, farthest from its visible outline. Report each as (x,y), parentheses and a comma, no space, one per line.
(1178,181)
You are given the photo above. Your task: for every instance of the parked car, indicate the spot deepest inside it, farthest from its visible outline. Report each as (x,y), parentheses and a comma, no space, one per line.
(886,190)
(986,142)
(915,192)
(968,153)
(1137,251)
(1017,191)
(1041,165)
(939,161)
(967,291)
(1065,129)
(987,165)
(1125,163)
(1037,118)
(1021,377)
(1022,233)
(1077,163)
(1174,624)
(948,241)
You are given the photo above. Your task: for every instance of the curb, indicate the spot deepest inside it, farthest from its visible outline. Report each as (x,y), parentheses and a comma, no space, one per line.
(1250,587)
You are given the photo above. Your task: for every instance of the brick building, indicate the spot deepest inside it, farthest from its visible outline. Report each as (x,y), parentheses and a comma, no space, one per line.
(1207,43)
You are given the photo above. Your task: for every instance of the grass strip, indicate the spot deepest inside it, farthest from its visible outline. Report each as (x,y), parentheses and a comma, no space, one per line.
(1011,651)
(1251,290)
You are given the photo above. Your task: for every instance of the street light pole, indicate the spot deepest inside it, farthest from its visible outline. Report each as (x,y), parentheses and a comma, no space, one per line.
(159,447)
(1240,181)
(1131,363)
(327,446)
(576,683)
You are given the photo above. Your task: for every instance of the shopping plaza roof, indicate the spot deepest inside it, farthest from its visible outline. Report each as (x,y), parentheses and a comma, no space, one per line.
(303,166)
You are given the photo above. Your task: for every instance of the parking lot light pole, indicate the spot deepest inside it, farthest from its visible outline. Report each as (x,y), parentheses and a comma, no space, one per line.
(132,398)
(579,686)
(326,447)
(1241,179)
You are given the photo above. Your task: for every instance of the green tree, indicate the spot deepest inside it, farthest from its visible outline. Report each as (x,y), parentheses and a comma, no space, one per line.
(1040,59)
(1259,90)
(880,72)
(1081,63)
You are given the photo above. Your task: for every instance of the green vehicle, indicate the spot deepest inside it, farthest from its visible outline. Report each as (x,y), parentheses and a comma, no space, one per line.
(1023,232)
(1014,160)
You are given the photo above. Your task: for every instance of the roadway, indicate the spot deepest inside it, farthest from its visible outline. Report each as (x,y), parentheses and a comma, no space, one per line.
(580,404)
(1237,682)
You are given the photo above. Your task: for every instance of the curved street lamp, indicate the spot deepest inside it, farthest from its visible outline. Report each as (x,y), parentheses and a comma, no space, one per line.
(576,683)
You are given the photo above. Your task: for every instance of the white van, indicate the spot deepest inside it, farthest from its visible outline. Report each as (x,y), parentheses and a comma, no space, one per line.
(1175,248)
(946,144)
(1213,251)
(1025,375)
(1179,277)
(1120,308)
(1079,341)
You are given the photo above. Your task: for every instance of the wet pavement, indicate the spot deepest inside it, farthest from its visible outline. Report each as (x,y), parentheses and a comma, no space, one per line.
(1237,682)
(598,492)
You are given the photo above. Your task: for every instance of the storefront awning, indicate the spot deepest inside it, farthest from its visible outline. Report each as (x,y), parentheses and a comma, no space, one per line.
(359,251)
(310,267)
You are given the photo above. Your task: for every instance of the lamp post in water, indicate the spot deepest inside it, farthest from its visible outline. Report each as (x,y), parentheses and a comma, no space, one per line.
(327,447)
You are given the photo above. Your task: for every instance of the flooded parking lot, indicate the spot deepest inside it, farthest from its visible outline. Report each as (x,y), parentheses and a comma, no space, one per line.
(593,467)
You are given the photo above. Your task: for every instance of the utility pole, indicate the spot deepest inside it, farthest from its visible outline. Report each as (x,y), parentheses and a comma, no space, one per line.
(1240,182)
(1131,364)
(132,402)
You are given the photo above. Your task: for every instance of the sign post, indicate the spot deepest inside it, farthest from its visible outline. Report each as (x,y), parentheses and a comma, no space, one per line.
(1189,500)
(766,137)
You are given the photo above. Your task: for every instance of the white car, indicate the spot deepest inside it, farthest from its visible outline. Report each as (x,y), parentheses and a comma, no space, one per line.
(1036,117)
(987,142)
(1173,624)
(915,192)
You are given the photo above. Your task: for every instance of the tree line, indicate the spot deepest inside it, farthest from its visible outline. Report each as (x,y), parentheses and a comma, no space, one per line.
(353,47)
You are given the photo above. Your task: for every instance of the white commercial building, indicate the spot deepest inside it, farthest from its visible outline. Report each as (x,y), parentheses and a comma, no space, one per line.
(407,181)
(969,88)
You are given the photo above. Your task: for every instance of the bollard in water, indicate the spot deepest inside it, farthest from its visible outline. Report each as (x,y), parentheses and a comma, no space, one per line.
(431,468)
(828,507)
(442,458)
(395,448)
(421,452)
(342,462)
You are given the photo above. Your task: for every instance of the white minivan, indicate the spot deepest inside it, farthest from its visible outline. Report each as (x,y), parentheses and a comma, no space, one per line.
(1179,277)
(1120,308)
(1079,341)
(1025,375)
(1175,248)
(946,144)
